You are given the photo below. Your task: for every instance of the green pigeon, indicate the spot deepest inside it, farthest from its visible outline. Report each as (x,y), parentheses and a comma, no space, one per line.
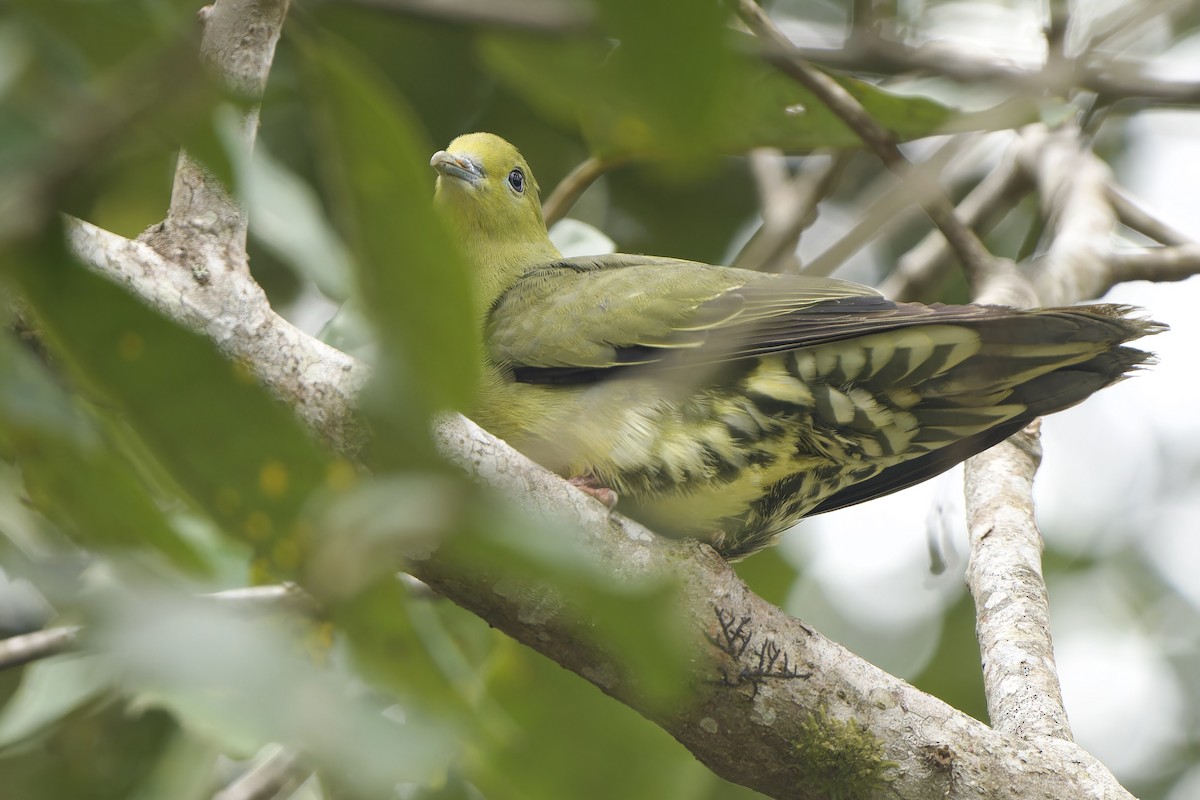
(727,404)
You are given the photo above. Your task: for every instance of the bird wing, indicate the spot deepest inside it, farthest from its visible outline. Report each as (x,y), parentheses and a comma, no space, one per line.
(576,320)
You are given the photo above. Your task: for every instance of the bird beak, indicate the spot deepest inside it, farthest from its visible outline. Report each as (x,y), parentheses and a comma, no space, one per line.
(460,167)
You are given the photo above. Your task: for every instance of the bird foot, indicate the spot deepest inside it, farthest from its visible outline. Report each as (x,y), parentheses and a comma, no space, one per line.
(590,485)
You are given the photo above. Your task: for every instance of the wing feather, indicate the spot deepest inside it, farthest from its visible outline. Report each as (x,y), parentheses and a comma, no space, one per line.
(578,315)
(580,320)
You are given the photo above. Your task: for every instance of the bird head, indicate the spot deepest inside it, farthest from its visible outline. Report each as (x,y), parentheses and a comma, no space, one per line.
(486,186)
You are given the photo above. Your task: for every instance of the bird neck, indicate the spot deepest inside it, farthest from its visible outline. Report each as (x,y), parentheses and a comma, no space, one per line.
(499,261)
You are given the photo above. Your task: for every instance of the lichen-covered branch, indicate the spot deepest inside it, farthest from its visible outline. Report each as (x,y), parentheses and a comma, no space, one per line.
(1012,608)
(319,381)
(1004,573)
(764,683)
(205,228)
(753,701)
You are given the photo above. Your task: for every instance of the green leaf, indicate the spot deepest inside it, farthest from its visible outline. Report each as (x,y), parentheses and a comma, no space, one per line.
(72,474)
(50,691)
(286,215)
(694,94)
(239,453)
(101,751)
(412,280)
(634,620)
(569,739)
(394,647)
(245,682)
(394,639)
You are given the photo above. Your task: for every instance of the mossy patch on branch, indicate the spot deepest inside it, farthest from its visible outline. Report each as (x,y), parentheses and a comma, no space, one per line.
(840,759)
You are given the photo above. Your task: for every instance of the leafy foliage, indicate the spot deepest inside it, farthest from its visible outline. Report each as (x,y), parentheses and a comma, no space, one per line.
(140,470)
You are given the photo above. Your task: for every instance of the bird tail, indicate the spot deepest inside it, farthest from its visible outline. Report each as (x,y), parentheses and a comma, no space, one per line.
(1047,359)
(1028,364)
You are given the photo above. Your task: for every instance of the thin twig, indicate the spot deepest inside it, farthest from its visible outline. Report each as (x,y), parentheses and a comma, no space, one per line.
(975,257)
(1160,264)
(1126,21)
(768,166)
(789,207)
(922,267)
(1057,24)
(891,204)
(778,206)
(27,647)
(1134,217)
(285,597)
(568,191)
(281,772)
(1116,80)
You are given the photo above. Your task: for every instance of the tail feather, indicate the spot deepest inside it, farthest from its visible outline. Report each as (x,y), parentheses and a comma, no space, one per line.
(1028,364)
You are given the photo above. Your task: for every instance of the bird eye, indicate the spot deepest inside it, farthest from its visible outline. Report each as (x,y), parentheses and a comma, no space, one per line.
(516,179)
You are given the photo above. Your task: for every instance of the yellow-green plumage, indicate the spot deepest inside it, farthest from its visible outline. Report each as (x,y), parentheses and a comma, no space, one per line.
(726,404)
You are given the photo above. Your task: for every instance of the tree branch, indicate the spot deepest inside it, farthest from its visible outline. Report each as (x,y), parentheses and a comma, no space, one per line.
(923,266)
(16,651)
(1073,186)
(892,203)
(205,229)
(1004,573)
(1158,264)
(231,309)
(1139,219)
(568,191)
(909,724)
(1012,606)
(281,772)
(25,648)
(788,206)
(764,711)
(866,51)
(977,261)
(759,677)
